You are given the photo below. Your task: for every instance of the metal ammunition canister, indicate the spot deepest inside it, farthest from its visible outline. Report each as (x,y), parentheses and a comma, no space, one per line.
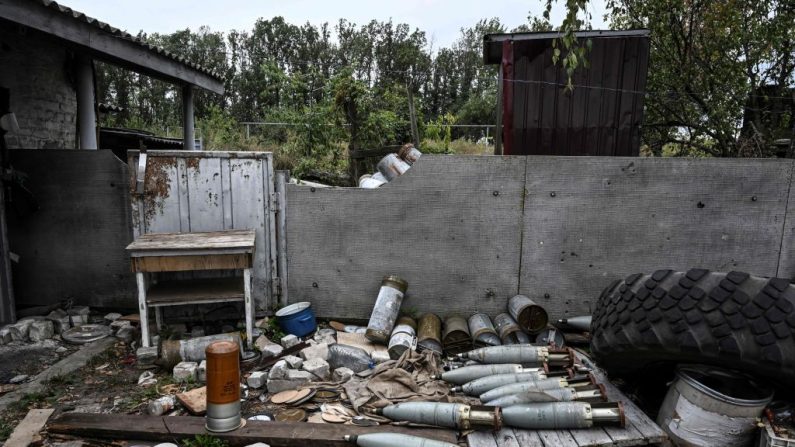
(386,309)
(223,386)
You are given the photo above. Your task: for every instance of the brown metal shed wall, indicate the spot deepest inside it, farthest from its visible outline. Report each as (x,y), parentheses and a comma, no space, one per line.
(601,116)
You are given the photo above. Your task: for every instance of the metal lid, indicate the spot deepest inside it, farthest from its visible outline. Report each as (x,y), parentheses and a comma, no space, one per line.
(396,282)
(728,386)
(86,333)
(290,415)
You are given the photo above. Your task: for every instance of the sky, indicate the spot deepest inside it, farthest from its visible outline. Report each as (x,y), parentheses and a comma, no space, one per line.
(440,19)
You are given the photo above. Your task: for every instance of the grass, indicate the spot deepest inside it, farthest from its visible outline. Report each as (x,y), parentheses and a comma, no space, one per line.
(204,441)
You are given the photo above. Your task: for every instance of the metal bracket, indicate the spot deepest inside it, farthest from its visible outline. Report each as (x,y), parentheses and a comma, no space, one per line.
(140,176)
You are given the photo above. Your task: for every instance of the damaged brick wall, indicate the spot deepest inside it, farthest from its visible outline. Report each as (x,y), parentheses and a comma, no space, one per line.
(36,71)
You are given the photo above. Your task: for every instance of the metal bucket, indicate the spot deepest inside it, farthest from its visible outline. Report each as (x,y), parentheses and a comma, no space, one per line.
(530,316)
(386,309)
(409,153)
(429,334)
(403,337)
(392,167)
(455,337)
(482,331)
(551,336)
(707,406)
(509,331)
(367,181)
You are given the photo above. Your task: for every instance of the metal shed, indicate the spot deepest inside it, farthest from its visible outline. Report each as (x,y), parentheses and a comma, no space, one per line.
(602,115)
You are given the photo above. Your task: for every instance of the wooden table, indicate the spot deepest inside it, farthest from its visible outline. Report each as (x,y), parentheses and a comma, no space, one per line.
(182,252)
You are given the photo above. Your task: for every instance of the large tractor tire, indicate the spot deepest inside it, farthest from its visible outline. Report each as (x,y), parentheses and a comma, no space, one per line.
(733,320)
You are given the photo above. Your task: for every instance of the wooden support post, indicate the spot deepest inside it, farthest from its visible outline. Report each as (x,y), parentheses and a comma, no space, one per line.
(188,132)
(86,112)
(498,130)
(249,308)
(140,279)
(415,134)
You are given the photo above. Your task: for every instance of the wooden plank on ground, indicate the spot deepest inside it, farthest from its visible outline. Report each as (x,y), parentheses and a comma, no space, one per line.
(556,438)
(171,428)
(528,438)
(591,437)
(505,437)
(23,434)
(481,439)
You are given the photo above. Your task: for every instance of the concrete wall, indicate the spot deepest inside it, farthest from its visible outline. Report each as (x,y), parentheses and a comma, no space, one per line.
(36,71)
(469,232)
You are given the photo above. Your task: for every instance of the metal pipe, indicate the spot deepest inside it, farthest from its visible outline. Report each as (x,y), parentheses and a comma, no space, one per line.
(188,135)
(441,414)
(223,386)
(484,384)
(522,354)
(539,385)
(582,323)
(192,350)
(86,112)
(393,439)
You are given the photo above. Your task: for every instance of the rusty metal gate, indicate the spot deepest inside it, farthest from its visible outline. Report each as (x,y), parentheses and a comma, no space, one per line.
(183,191)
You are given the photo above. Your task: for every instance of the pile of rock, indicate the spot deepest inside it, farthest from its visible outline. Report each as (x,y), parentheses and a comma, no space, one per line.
(39,328)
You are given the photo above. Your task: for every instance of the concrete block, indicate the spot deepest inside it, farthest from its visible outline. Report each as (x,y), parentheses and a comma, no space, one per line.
(185,371)
(326,335)
(201,372)
(279,370)
(146,356)
(262,341)
(295,379)
(318,367)
(41,330)
(5,336)
(319,351)
(60,319)
(126,334)
(273,350)
(257,379)
(289,340)
(111,317)
(342,374)
(294,374)
(18,379)
(293,361)
(118,324)
(19,330)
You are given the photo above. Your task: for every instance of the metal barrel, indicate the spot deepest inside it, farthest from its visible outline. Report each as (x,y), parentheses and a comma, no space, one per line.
(484,384)
(509,331)
(392,167)
(455,336)
(394,439)
(192,350)
(409,153)
(449,415)
(522,387)
(429,333)
(482,331)
(403,337)
(526,355)
(548,416)
(550,336)
(529,397)
(466,374)
(530,316)
(223,386)
(386,309)
(367,181)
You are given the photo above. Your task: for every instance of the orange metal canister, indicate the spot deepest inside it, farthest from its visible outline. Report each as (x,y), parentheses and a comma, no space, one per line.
(223,386)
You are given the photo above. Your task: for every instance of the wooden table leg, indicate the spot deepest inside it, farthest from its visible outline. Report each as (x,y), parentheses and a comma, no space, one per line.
(159,318)
(249,304)
(142,310)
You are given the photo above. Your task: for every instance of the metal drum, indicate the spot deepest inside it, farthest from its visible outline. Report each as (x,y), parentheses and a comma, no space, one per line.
(223,386)
(530,316)
(367,181)
(482,331)
(392,167)
(509,331)
(386,309)
(403,337)
(409,153)
(429,334)
(455,337)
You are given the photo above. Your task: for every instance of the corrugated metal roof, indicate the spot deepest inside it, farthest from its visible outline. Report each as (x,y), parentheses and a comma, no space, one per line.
(79,16)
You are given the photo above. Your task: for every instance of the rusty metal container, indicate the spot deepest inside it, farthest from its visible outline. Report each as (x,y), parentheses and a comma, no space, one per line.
(368,181)
(386,309)
(551,336)
(429,334)
(403,337)
(530,316)
(409,153)
(509,330)
(455,337)
(482,331)
(223,386)
(392,167)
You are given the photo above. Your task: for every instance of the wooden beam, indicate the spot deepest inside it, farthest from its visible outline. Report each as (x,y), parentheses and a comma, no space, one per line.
(171,428)
(104,45)
(233,261)
(23,434)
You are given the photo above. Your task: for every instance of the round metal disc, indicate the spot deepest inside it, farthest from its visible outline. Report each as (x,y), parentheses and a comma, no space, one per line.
(326,395)
(290,415)
(86,333)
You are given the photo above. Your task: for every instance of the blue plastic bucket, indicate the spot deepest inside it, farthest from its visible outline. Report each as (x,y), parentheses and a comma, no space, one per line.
(297,319)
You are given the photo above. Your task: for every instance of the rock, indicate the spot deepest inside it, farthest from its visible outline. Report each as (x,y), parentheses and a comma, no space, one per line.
(118,324)
(61,349)
(279,370)
(185,371)
(295,379)
(318,367)
(319,351)
(126,334)
(79,315)
(326,335)
(380,357)
(262,341)
(263,323)
(289,340)
(111,317)
(18,379)
(342,374)
(19,330)
(60,319)
(5,336)
(146,356)
(293,361)
(273,350)
(195,400)
(201,373)
(41,330)
(257,379)
(258,444)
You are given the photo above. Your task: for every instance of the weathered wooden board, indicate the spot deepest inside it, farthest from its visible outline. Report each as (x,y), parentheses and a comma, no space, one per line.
(590,220)
(239,240)
(449,227)
(23,434)
(187,191)
(72,246)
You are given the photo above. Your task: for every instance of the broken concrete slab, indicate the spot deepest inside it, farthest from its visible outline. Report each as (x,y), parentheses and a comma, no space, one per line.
(342,374)
(257,379)
(19,330)
(185,371)
(111,317)
(41,330)
(293,361)
(60,319)
(126,334)
(295,379)
(272,351)
(319,351)
(18,379)
(289,340)
(279,370)
(146,356)
(201,372)
(325,335)
(318,367)
(5,336)
(195,400)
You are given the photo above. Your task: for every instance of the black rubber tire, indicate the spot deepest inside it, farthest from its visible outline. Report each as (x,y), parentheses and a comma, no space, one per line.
(733,320)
